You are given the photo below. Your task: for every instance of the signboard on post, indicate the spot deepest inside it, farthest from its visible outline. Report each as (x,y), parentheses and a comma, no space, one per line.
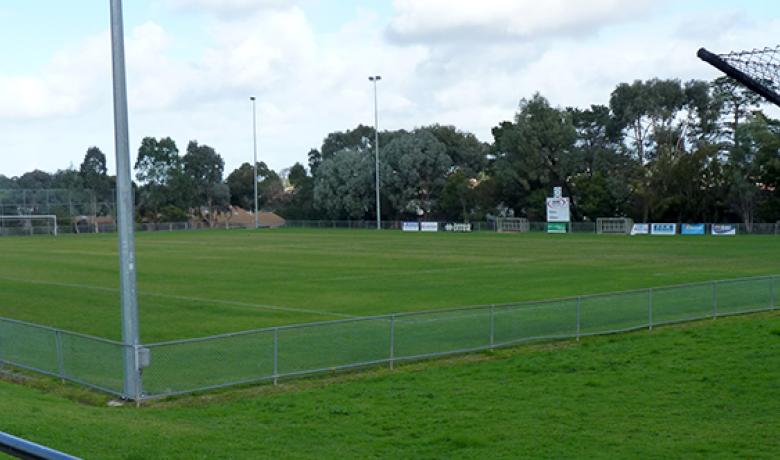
(640,229)
(663,229)
(558,210)
(724,230)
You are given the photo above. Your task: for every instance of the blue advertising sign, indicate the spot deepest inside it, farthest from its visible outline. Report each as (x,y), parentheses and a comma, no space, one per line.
(692,229)
(663,229)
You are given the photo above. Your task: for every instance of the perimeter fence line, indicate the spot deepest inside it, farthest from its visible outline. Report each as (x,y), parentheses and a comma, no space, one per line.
(486,226)
(490,226)
(190,365)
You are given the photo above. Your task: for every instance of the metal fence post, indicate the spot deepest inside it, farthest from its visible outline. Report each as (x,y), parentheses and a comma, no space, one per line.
(58,347)
(392,340)
(772,282)
(276,356)
(714,299)
(492,326)
(579,307)
(650,308)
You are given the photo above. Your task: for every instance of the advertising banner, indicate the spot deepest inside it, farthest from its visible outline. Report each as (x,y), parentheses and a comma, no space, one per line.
(463,228)
(429,226)
(410,227)
(724,230)
(692,229)
(558,210)
(640,229)
(556,227)
(663,229)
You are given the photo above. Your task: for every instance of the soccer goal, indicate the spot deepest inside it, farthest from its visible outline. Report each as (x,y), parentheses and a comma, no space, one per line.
(614,225)
(512,224)
(28,225)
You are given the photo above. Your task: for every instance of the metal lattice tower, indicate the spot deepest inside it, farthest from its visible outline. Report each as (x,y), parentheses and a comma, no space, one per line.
(758,69)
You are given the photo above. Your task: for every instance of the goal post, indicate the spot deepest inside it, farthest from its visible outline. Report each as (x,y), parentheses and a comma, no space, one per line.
(614,225)
(39,224)
(512,224)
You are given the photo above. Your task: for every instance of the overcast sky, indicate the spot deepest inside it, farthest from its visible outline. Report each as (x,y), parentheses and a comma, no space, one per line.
(192,65)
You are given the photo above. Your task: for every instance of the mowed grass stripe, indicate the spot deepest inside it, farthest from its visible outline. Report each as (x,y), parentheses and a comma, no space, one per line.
(318,274)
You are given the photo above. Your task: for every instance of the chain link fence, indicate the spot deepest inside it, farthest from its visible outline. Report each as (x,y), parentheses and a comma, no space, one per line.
(186,366)
(79,358)
(487,226)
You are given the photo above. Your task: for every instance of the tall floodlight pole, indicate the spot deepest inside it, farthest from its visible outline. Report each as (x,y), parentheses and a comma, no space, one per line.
(375,79)
(254,163)
(130,333)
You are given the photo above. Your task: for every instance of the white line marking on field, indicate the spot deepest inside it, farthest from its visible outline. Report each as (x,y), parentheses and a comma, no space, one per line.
(179,297)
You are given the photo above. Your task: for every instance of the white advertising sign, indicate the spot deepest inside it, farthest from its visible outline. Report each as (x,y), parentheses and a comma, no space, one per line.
(429,226)
(640,229)
(724,230)
(411,227)
(558,210)
(457,227)
(663,229)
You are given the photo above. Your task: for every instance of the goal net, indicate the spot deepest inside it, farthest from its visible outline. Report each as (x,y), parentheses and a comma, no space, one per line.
(28,225)
(512,224)
(614,225)
(757,69)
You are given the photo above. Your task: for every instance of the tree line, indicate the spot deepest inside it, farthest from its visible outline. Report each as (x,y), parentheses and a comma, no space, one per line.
(661,150)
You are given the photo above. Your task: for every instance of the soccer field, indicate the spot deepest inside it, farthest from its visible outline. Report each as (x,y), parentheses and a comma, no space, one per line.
(562,399)
(193,284)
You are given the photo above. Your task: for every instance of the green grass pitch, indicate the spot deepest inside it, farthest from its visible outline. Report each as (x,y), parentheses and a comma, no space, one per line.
(202,283)
(706,389)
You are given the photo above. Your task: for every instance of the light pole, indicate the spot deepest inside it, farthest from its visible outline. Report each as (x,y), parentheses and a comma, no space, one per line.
(128,299)
(374,80)
(254,163)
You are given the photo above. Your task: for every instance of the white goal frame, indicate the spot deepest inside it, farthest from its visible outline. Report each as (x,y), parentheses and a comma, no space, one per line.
(512,224)
(46,217)
(614,225)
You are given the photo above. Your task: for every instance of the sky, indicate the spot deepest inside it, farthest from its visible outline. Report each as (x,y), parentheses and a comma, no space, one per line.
(193,64)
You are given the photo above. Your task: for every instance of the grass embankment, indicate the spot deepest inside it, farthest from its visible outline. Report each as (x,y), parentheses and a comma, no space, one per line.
(698,390)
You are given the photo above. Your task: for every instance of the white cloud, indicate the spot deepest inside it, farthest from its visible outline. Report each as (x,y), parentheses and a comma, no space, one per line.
(310,83)
(63,87)
(431,21)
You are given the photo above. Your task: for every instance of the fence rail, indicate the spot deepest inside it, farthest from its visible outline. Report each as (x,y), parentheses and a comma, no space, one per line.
(190,365)
(24,449)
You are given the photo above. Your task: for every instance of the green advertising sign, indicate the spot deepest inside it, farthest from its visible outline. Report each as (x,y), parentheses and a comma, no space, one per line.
(556,227)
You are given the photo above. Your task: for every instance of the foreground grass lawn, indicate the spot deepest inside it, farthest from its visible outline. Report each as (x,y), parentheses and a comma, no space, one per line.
(200,283)
(704,390)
